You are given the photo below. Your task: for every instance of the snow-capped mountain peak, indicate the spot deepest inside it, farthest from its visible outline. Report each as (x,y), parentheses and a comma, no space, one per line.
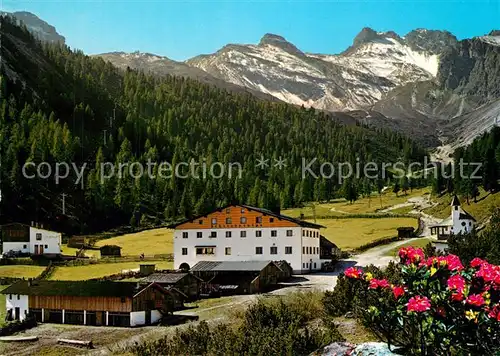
(376,63)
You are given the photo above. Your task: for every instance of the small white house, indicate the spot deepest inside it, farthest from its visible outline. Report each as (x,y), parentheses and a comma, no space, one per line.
(32,240)
(459,222)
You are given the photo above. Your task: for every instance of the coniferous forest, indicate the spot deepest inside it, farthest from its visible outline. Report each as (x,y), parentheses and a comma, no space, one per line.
(59,105)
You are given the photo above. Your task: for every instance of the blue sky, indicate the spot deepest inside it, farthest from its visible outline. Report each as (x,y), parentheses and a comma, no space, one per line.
(183,29)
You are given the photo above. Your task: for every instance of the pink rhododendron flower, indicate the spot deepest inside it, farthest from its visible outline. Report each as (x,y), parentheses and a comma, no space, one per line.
(411,255)
(418,304)
(494,312)
(476,262)
(379,283)
(452,262)
(457,297)
(489,273)
(457,283)
(476,300)
(398,291)
(353,272)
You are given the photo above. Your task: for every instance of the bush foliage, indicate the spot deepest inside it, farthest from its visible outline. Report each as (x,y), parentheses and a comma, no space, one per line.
(267,328)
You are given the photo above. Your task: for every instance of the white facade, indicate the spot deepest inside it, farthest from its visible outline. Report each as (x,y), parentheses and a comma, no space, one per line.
(299,246)
(40,242)
(460,222)
(50,240)
(17,305)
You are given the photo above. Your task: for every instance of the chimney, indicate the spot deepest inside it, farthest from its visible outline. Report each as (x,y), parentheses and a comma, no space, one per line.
(301,216)
(276,210)
(32,223)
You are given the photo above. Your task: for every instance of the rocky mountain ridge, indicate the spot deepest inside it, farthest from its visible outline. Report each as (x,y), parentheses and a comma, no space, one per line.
(37,26)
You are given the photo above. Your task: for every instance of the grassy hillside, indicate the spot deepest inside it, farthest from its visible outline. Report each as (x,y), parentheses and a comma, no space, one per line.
(79,273)
(149,242)
(21,271)
(480,210)
(361,206)
(350,234)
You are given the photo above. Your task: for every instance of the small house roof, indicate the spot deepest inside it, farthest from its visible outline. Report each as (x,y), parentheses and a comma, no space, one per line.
(110,246)
(446,222)
(466,216)
(325,243)
(260,210)
(230,266)
(167,278)
(455,201)
(74,288)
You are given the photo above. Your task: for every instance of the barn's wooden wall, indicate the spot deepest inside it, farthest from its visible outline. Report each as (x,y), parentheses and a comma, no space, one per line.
(115,304)
(151,298)
(235,214)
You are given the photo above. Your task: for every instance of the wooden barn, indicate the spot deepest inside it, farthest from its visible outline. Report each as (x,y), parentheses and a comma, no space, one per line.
(406,232)
(185,282)
(110,250)
(79,242)
(328,250)
(89,302)
(237,277)
(285,270)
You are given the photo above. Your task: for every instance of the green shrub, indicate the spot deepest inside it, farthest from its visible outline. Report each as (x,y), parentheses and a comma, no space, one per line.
(267,328)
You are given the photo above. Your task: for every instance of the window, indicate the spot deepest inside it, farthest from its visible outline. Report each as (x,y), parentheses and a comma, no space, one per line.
(228,251)
(46,246)
(274,250)
(258,250)
(18,297)
(205,250)
(243,220)
(228,233)
(213,233)
(463,223)
(288,250)
(303,250)
(199,235)
(214,221)
(470,223)
(307,265)
(274,233)
(314,264)
(229,221)
(271,220)
(303,232)
(242,210)
(38,236)
(258,220)
(243,234)
(200,222)
(25,246)
(184,251)
(258,233)
(456,208)
(185,235)
(10,296)
(303,265)
(289,232)
(228,210)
